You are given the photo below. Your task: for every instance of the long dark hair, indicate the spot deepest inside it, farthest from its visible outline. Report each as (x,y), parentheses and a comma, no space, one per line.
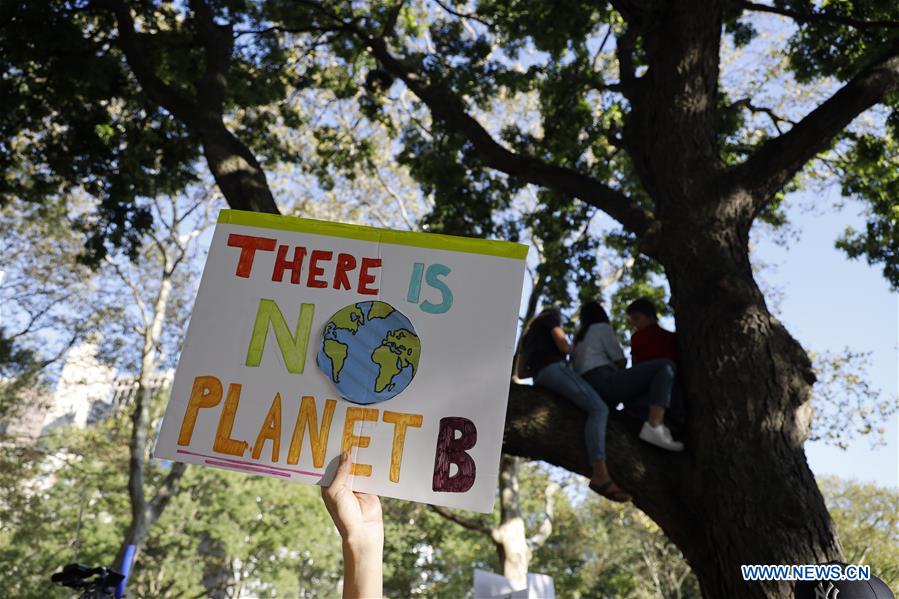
(591,313)
(545,313)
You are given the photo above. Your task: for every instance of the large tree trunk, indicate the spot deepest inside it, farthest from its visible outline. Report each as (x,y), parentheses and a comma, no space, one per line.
(742,492)
(749,387)
(236,170)
(145,512)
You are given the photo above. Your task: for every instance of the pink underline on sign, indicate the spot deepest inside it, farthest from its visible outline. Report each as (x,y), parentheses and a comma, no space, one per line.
(243,462)
(249,468)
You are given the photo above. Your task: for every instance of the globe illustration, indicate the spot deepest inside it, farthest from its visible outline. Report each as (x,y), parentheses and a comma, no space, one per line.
(370,351)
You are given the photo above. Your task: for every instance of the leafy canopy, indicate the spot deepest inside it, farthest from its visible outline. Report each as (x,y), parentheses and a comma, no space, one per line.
(546,80)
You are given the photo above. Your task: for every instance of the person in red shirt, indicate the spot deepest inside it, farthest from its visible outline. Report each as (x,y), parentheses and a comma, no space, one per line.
(650,341)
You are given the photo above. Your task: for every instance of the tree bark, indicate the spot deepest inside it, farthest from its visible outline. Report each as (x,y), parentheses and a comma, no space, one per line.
(236,171)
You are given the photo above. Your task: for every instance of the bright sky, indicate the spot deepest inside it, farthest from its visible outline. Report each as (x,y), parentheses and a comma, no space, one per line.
(829,303)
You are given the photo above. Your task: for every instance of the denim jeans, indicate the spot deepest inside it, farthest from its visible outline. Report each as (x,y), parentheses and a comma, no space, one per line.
(648,384)
(563,380)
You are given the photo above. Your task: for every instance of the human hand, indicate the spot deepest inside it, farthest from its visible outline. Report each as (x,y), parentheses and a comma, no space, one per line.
(359,520)
(357,515)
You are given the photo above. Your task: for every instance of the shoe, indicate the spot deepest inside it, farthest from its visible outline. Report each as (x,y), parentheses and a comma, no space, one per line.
(618,496)
(660,436)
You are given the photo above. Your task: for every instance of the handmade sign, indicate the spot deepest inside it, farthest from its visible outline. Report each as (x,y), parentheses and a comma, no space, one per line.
(310,338)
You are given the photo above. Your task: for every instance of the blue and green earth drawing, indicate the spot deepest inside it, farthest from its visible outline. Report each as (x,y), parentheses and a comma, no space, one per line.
(370,351)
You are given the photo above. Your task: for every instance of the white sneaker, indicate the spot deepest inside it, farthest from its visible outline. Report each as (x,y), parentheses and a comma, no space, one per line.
(660,436)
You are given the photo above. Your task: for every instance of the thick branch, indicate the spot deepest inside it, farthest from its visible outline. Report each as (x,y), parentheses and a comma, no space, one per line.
(540,426)
(218,41)
(447,107)
(167,490)
(181,107)
(818,17)
(460,520)
(234,167)
(779,159)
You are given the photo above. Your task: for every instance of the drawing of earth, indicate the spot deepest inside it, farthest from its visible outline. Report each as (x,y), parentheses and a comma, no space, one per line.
(370,351)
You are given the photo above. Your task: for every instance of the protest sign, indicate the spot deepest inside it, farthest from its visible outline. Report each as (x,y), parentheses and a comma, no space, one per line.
(308,338)
(488,585)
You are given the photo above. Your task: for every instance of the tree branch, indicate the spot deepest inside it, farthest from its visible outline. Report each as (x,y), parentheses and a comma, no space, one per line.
(163,94)
(488,24)
(537,540)
(234,167)
(219,43)
(449,108)
(168,489)
(818,17)
(460,520)
(776,119)
(541,426)
(778,160)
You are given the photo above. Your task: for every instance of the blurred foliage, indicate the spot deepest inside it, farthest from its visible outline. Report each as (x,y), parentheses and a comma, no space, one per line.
(274,539)
(845,405)
(875,178)
(866,517)
(67,501)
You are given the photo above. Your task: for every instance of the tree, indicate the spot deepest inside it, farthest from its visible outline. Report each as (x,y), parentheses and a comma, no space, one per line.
(660,147)
(156,309)
(63,501)
(39,280)
(514,547)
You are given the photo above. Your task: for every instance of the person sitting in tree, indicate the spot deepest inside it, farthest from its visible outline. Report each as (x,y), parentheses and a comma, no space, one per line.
(650,341)
(598,357)
(542,355)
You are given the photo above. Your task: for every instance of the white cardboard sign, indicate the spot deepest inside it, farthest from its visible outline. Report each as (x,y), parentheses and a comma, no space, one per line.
(309,338)
(488,585)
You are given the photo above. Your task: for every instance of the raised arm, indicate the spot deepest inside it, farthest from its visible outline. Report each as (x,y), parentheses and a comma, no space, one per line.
(561,340)
(358,519)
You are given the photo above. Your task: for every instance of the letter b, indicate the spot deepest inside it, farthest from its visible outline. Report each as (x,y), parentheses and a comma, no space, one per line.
(451,450)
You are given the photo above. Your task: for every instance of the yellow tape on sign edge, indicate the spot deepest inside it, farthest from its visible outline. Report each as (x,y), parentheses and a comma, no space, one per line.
(434,241)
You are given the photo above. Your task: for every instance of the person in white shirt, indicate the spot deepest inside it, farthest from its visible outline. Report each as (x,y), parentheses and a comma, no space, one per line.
(597,356)
(542,355)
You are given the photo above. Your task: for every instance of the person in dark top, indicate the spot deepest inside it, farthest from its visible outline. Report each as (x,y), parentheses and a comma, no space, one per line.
(650,341)
(598,357)
(542,355)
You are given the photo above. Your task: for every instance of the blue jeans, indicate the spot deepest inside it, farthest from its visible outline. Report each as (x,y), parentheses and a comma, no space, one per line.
(648,384)
(563,380)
